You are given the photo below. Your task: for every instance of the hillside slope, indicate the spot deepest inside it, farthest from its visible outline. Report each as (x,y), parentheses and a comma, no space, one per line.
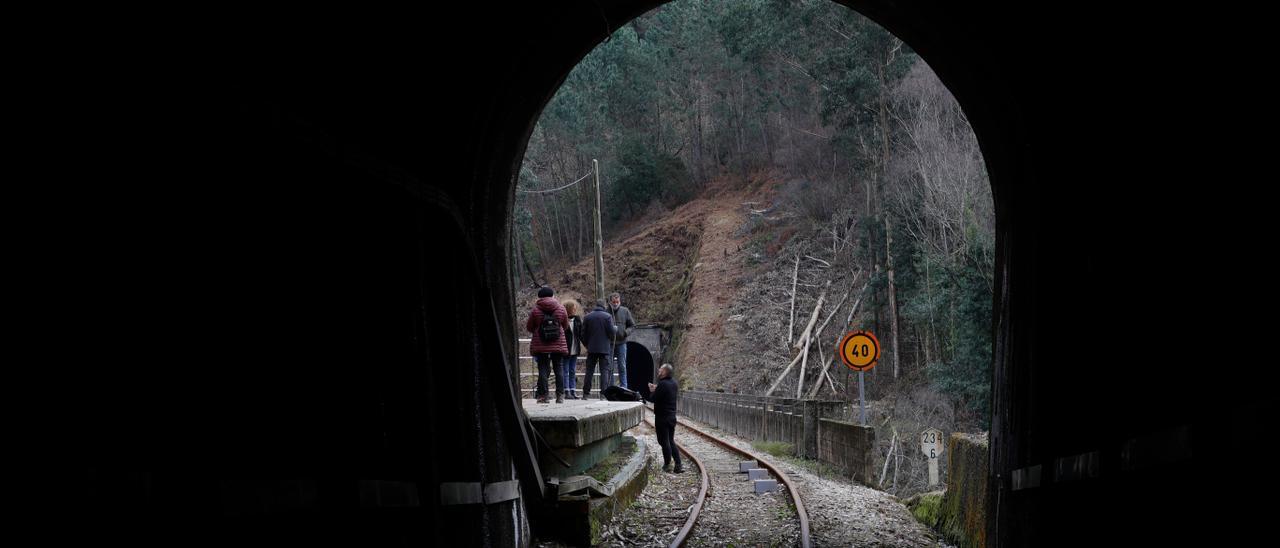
(682,270)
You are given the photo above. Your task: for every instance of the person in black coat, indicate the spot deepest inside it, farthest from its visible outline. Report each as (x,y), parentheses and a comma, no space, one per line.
(664,395)
(597,332)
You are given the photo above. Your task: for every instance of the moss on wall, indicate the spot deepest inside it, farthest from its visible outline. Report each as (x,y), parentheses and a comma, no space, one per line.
(926,507)
(962,515)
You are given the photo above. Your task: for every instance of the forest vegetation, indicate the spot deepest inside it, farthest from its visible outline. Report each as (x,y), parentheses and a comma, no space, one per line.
(884,205)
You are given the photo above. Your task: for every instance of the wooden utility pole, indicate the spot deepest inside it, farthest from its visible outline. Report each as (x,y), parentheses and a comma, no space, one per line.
(595,164)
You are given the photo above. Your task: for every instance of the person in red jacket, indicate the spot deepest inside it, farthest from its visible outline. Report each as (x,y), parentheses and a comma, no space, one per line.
(546,324)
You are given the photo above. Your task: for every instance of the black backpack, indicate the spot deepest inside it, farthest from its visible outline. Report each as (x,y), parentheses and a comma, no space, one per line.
(549,331)
(618,393)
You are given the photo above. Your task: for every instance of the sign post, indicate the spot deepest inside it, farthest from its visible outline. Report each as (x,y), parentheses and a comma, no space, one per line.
(859,351)
(929,445)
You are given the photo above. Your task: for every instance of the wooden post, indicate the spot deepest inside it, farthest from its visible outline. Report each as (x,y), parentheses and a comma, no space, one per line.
(595,165)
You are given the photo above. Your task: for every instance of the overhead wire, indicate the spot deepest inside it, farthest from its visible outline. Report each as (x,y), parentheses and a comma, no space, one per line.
(580,179)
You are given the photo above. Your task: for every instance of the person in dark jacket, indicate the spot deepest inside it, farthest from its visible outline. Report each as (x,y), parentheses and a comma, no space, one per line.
(569,368)
(622,324)
(548,352)
(597,331)
(664,395)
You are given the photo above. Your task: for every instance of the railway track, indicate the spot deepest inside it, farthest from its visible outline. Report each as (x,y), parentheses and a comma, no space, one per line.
(696,511)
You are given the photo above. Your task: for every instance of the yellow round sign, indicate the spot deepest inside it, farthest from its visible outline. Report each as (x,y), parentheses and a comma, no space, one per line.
(859,350)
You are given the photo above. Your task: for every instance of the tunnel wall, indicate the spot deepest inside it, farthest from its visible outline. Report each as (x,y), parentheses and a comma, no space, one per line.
(293,232)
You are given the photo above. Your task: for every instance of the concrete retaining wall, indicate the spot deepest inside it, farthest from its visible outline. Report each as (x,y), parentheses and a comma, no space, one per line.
(848,447)
(963,515)
(811,426)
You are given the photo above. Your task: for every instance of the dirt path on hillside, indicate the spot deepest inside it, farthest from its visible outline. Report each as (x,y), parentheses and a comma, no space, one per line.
(648,267)
(682,268)
(716,273)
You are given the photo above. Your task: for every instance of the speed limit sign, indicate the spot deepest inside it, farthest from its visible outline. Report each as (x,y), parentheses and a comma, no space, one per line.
(859,350)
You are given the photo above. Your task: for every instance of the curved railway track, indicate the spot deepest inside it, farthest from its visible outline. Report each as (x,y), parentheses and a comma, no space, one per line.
(696,510)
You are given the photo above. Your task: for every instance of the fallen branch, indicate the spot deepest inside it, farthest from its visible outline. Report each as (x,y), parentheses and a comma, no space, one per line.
(803,360)
(896,462)
(814,391)
(806,337)
(813,318)
(818,335)
(849,320)
(791,324)
(822,356)
(828,265)
(885,471)
(782,376)
(835,310)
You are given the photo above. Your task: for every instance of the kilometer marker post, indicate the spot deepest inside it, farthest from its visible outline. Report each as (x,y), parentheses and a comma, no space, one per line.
(930,440)
(859,351)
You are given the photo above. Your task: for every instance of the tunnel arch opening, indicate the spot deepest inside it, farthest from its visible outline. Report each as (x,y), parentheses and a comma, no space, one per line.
(640,368)
(323,142)
(943,62)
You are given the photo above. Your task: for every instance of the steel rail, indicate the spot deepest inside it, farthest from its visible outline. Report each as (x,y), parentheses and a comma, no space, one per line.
(778,473)
(683,535)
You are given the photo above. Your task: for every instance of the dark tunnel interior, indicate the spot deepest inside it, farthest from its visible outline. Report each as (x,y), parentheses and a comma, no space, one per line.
(289,233)
(640,368)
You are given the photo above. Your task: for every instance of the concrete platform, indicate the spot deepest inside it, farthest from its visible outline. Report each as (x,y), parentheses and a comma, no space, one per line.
(577,423)
(579,519)
(584,433)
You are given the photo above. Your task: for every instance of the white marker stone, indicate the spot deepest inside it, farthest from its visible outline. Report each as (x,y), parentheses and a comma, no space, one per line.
(931,446)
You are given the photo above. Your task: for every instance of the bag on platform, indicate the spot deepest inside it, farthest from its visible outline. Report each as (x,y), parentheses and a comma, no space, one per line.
(618,393)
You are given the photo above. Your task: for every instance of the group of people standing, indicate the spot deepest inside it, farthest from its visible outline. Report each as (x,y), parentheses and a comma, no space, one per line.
(559,333)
